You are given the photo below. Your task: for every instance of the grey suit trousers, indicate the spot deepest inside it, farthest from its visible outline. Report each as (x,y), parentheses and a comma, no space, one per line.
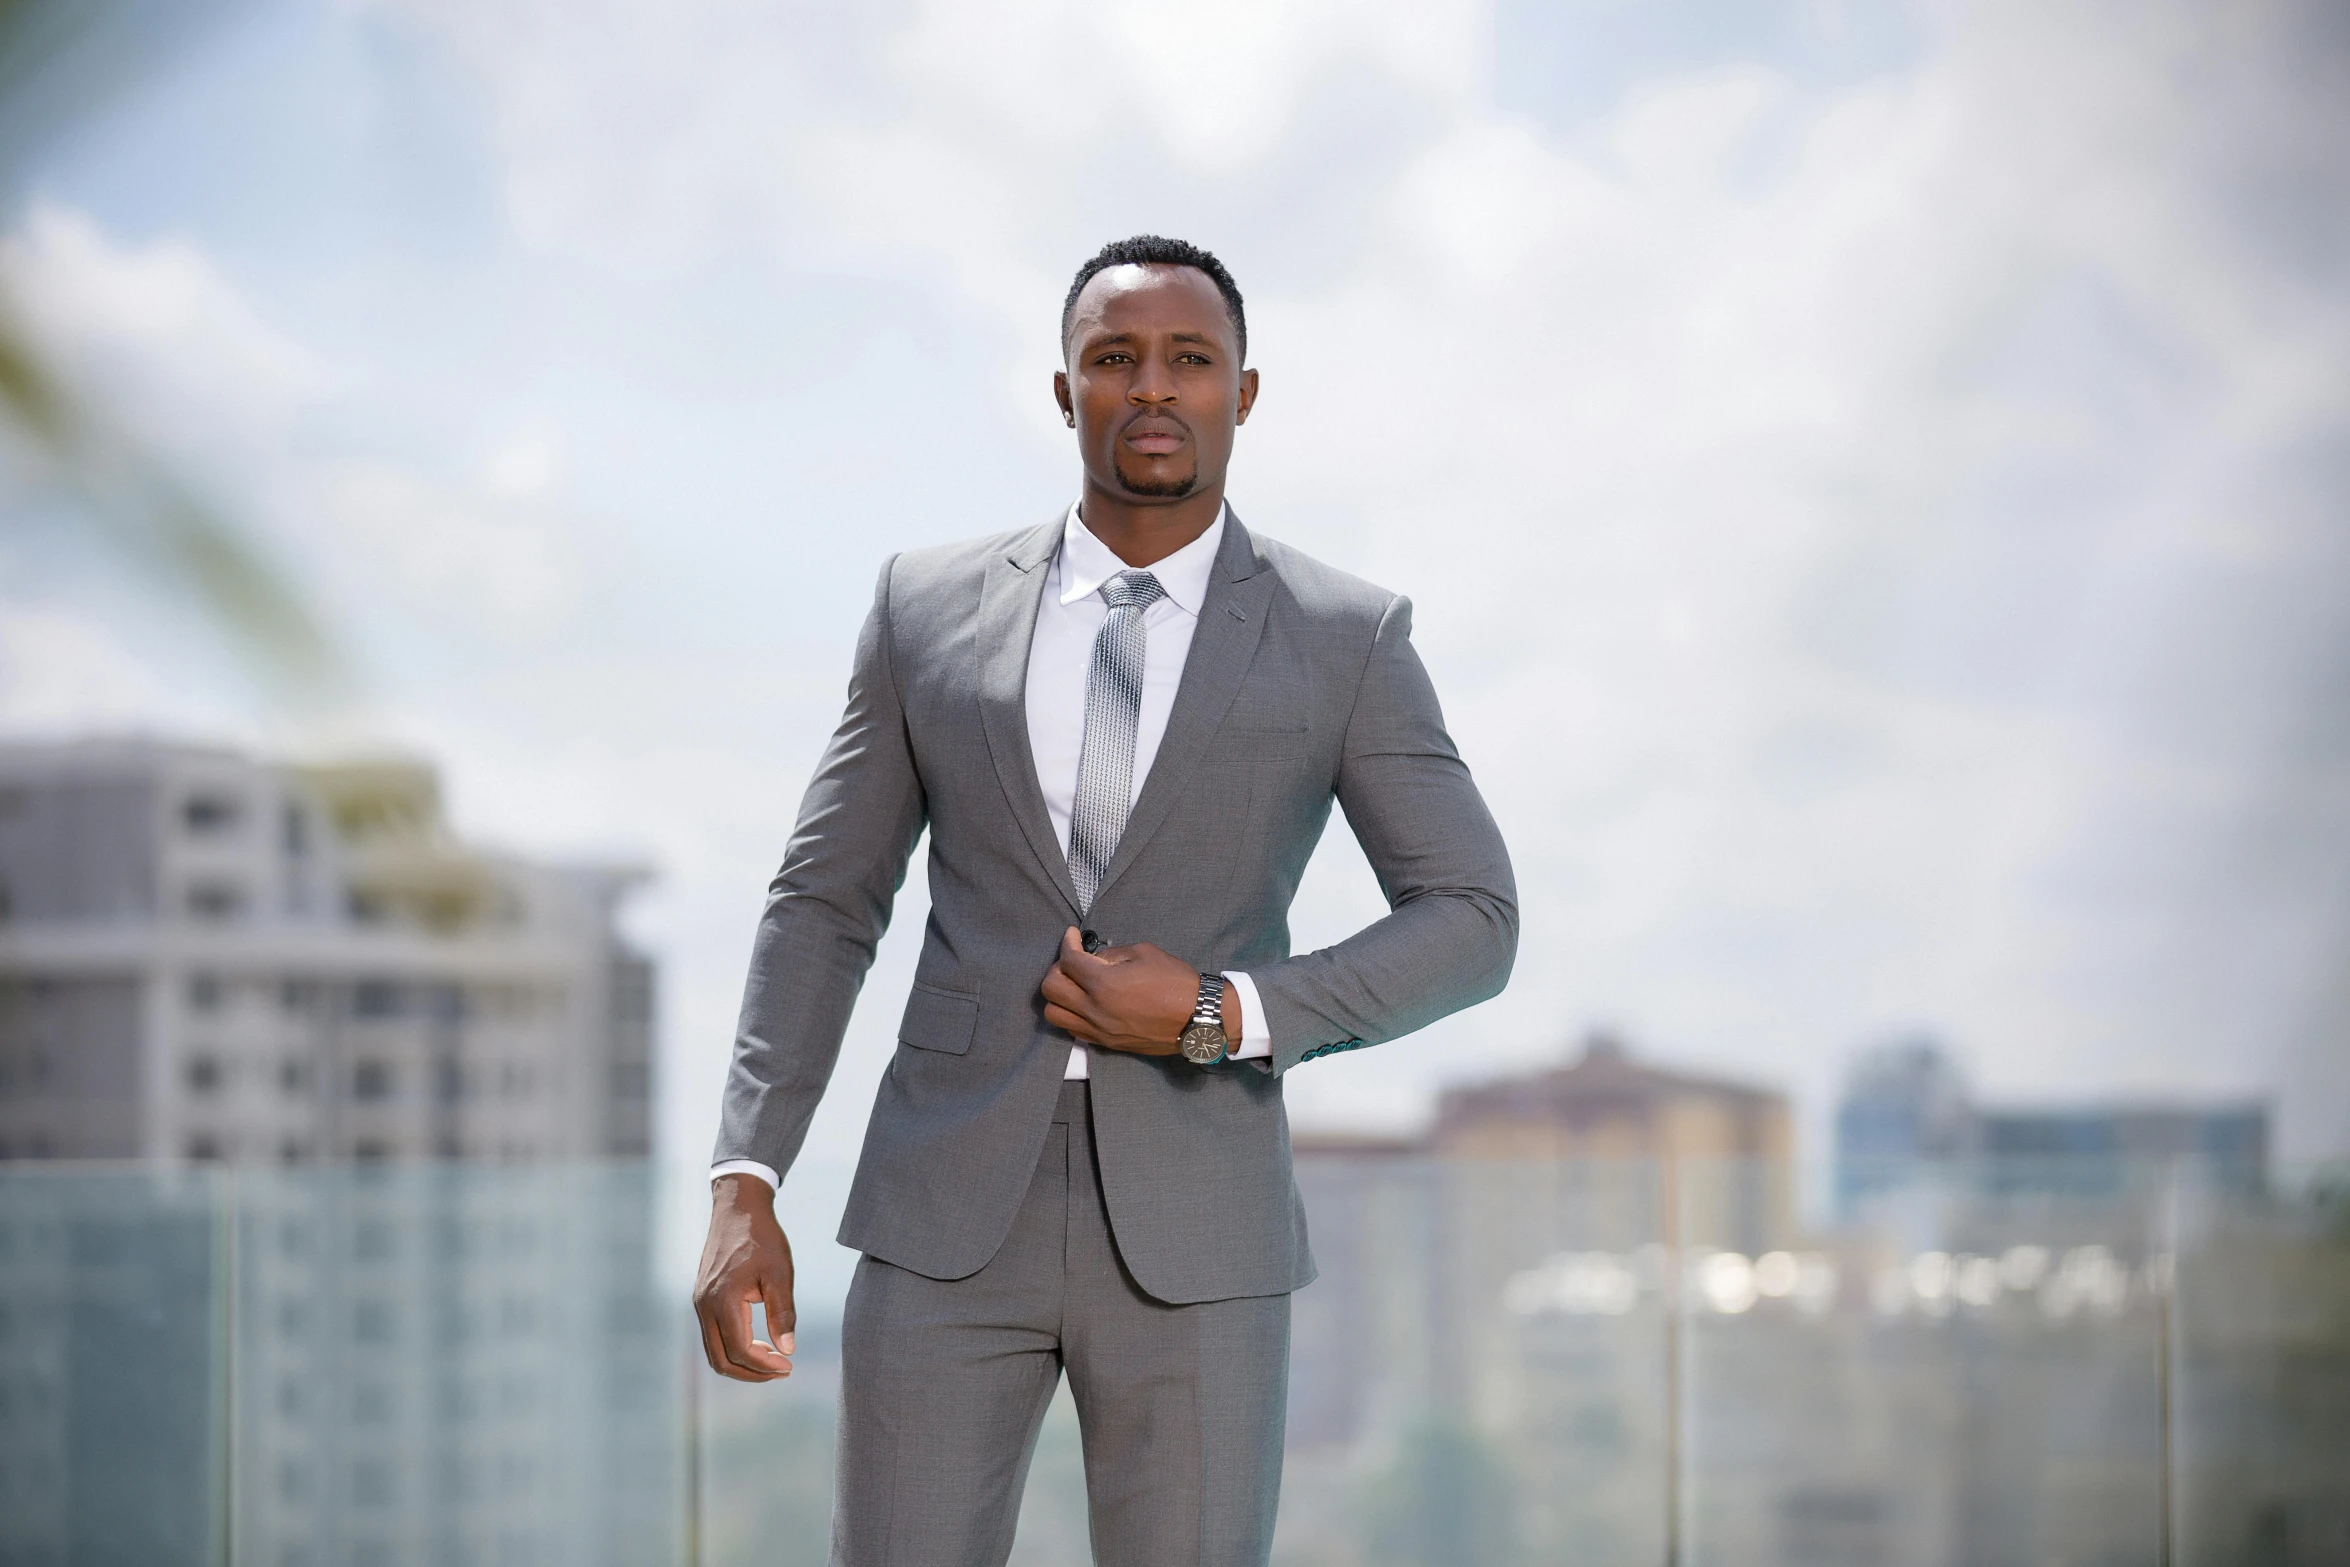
(945,1383)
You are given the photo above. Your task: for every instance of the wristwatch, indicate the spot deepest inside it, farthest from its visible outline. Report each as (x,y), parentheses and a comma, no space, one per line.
(1202,1038)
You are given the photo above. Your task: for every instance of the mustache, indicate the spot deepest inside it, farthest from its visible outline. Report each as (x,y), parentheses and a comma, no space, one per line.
(1156,415)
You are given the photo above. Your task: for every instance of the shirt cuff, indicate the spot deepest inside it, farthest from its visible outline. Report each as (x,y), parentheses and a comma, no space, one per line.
(747,1167)
(1256,1037)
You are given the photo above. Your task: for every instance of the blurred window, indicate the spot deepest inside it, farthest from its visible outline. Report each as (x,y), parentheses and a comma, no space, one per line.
(203,1145)
(371,1080)
(375,998)
(204,993)
(204,1073)
(216,900)
(211,813)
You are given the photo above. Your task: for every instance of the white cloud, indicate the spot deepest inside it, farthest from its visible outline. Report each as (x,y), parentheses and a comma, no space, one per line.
(489,557)
(64,673)
(164,342)
(156,330)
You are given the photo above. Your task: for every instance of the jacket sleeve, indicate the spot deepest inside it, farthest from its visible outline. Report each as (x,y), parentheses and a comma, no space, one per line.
(1451,931)
(826,911)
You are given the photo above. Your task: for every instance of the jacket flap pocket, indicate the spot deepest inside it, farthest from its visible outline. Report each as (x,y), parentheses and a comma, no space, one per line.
(939,1020)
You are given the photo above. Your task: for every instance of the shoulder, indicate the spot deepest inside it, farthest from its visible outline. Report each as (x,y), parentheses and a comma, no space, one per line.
(947,577)
(1322,592)
(965,561)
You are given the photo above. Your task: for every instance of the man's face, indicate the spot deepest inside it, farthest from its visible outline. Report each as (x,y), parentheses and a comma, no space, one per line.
(1154,385)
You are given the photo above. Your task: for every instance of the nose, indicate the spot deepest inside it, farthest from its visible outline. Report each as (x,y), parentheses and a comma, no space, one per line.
(1152,384)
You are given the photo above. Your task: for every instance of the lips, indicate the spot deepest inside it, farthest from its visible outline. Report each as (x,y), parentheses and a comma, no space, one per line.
(1155,436)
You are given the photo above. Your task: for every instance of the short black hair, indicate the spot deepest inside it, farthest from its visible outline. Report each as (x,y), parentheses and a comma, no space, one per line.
(1156,250)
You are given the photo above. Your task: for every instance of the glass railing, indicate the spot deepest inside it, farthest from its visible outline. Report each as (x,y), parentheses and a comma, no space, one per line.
(1502,1363)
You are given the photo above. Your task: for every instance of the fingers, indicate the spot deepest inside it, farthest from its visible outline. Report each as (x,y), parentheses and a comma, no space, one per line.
(714,1350)
(781,1319)
(1062,991)
(1067,1006)
(1069,1022)
(757,1361)
(1075,966)
(726,1339)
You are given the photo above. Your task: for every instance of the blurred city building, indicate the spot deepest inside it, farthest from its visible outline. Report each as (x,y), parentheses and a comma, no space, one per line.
(204,956)
(327,1235)
(1719,1153)
(1579,1319)
(1599,1167)
(1907,1121)
(358,1282)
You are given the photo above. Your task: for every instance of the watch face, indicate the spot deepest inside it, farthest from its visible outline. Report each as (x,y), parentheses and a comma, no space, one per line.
(1203,1044)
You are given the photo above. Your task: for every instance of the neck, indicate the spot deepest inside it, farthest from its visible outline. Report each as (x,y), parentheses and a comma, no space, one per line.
(1145,532)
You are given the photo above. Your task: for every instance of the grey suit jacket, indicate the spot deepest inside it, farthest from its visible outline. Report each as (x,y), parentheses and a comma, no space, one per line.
(1301,687)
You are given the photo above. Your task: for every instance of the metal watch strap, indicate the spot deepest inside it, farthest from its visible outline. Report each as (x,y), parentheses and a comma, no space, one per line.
(1203,1041)
(1210,1006)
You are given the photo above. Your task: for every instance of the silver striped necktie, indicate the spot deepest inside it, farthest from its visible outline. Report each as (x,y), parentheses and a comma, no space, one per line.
(1113,704)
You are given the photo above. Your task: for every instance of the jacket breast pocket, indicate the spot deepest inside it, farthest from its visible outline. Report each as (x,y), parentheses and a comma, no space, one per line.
(942,1020)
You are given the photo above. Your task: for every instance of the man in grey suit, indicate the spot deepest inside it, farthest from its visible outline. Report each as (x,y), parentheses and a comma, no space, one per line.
(1132,719)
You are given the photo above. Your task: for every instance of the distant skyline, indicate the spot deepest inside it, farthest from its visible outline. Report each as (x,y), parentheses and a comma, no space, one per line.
(1870,479)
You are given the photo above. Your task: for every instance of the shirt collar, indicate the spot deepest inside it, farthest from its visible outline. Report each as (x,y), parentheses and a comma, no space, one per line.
(1086,563)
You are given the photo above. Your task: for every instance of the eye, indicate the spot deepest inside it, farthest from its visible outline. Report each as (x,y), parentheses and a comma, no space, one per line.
(1192,359)
(1115,356)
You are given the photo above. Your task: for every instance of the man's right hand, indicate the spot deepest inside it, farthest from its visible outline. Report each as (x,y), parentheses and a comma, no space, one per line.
(746,1260)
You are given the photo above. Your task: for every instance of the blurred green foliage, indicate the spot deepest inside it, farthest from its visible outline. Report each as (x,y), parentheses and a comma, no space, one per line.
(59,61)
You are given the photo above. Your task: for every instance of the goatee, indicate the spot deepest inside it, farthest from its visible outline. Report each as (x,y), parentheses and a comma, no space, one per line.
(1162,489)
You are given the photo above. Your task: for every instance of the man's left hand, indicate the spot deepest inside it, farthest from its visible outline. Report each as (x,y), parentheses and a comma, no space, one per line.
(1137,999)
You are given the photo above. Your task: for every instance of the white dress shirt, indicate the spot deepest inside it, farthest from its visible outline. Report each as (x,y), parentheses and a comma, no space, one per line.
(1060,655)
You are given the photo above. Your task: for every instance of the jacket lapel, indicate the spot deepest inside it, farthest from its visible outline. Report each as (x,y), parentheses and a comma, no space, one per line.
(1008,598)
(1231,622)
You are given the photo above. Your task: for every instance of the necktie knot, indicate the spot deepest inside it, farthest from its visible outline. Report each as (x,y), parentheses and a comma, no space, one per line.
(1132,590)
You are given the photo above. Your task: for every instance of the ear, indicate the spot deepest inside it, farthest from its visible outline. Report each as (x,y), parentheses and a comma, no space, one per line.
(1248,395)
(1061,396)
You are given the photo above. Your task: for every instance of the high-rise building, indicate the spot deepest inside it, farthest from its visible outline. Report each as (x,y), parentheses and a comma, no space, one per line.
(1414,1348)
(1907,1122)
(373,1283)
(1904,1101)
(208,957)
(1719,1154)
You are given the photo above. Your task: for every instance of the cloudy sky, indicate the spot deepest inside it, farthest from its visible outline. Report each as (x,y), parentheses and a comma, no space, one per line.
(1875,482)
